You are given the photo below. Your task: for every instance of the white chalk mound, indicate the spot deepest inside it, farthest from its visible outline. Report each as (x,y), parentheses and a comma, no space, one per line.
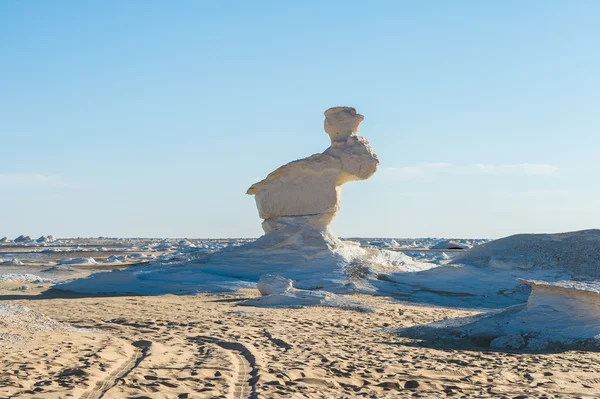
(22,239)
(297,202)
(557,314)
(451,244)
(12,262)
(576,253)
(311,187)
(269,284)
(487,276)
(77,261)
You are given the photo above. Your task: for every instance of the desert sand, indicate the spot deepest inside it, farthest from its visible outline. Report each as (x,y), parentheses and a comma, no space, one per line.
(206,346)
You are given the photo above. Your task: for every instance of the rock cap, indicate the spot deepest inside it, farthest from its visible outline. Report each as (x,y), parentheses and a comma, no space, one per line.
(342,122)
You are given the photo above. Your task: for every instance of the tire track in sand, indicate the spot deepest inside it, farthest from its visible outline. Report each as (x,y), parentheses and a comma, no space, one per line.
(244,363)
(140,353)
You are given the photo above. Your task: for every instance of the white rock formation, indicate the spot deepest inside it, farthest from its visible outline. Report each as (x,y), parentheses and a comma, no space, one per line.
(269,284)
(22,238)
(564,313)
(12,262)
(510,341)
(575,253)
(298,201)
(485,275)
(305,194)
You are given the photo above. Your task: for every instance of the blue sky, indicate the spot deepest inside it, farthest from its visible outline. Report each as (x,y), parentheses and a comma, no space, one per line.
(151,118)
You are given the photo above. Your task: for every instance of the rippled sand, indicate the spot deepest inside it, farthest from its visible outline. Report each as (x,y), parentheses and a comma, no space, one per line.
(207,347)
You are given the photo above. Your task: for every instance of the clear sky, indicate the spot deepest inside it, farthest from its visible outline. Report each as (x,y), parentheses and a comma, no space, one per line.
(152,118)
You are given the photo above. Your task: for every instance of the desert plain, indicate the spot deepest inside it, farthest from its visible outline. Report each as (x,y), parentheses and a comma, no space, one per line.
(57,344)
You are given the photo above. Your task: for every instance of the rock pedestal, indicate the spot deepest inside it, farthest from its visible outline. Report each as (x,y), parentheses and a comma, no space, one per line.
(301,198)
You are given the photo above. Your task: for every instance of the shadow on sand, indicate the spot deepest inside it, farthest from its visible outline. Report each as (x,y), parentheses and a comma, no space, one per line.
(54,293)
(480,344)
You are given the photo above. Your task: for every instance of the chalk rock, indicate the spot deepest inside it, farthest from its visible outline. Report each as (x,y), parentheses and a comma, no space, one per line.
(297,202)
(77,261)
(4,239)
(450,244)
(565,313)
(44,239)
(269,284)
(311,187)
(12,262)
(22,238)
(575,253)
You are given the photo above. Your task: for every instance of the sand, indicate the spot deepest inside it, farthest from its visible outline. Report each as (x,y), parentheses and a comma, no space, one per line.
(208,347)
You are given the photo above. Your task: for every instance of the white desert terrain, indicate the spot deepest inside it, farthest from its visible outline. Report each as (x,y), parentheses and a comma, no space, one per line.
(299,312)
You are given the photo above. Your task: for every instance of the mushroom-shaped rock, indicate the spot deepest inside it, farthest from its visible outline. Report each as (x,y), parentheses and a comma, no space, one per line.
(269,284)
(12,262)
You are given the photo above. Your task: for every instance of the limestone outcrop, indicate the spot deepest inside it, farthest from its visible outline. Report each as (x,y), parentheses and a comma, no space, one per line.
(563,314)
(298,261)
(270,284)
(575,253)
(308,191)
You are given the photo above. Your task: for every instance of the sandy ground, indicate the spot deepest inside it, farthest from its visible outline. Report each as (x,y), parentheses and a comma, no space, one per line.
(209,347)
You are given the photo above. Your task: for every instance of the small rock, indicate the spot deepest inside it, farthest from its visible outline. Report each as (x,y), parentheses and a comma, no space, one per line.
(272,284)
(411,384)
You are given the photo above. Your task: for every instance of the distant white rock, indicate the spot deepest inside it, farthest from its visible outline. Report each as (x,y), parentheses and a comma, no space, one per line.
(16,317)
(510,341)
(302,298)
(4,240)
(22,239)
(269,284)
(12,262)
(77,261)
(164,247)
(44,239)
(23,278)
(312,186)
(450,244)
